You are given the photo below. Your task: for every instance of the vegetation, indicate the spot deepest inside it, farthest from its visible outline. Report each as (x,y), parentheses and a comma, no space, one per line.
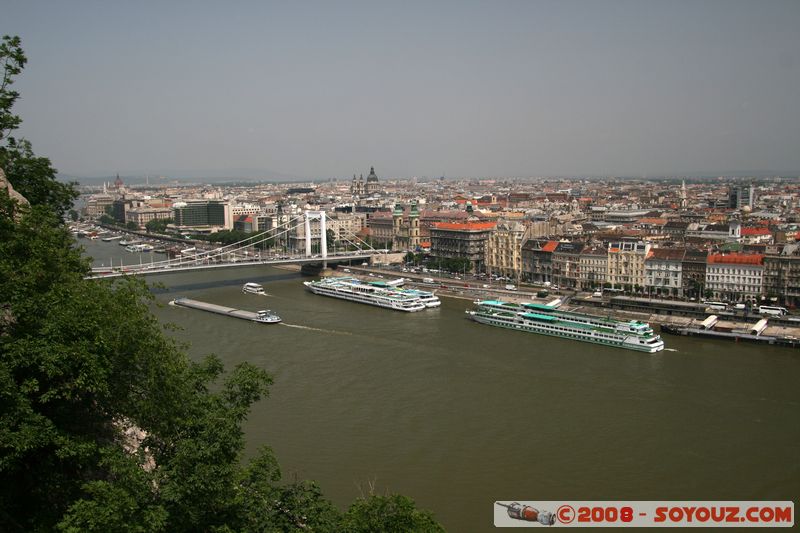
(158,225)
(233,236)
(105,424)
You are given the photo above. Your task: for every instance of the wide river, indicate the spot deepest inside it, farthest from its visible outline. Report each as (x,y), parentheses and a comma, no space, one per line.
(458,415)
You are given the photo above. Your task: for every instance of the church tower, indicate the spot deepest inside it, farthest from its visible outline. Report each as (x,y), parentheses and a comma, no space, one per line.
(397,227)
(413,232)
(684,201)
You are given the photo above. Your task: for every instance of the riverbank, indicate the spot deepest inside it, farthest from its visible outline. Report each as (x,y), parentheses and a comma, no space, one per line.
(782,335)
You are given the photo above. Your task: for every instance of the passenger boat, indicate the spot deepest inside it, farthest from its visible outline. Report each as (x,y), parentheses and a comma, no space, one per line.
(547,320)
(427,297)
(140,248)
(352,289)
(252,288)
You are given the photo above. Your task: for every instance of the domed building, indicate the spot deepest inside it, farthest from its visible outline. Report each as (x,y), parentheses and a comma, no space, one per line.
(371,186)
(372,182)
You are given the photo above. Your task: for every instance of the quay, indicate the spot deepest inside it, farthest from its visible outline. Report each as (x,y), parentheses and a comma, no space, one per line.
(266,316)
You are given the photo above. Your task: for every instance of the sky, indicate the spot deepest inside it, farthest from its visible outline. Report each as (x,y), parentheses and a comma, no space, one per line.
(478,89)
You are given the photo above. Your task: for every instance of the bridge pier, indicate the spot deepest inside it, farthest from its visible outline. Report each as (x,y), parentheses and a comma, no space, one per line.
(323,237)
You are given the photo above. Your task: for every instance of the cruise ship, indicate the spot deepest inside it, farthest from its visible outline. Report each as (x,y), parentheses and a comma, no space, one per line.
(426,297)
(355,291)
(547,320)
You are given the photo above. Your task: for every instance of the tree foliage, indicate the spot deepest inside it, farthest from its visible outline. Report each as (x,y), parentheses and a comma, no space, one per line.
(33,177)
(158,225)
(233,236)
(13,60)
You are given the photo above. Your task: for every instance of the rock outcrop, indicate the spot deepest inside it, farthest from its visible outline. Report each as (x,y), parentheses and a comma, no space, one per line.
(5,184)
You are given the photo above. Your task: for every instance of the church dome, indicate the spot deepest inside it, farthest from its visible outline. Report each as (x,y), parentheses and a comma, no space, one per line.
(372,176)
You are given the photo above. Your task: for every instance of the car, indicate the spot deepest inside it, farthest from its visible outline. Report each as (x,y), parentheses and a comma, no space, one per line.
(597,294)
(346,270)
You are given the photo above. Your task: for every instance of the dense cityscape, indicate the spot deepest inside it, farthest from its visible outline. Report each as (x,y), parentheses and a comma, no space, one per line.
(727,238)
(401,267)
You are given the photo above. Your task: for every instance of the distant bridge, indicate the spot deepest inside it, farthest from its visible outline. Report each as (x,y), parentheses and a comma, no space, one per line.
(240,254)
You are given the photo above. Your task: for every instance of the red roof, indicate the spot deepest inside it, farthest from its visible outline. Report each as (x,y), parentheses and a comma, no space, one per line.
(736,259)
(550,246)
(465,226)
(755,231)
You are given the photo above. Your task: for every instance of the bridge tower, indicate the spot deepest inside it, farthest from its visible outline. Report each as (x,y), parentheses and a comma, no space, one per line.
(323,234)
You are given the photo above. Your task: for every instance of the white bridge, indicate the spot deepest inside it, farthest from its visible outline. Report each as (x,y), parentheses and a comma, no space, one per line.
(242,253)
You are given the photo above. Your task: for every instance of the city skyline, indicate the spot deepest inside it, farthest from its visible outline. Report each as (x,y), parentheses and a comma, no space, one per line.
(454,89)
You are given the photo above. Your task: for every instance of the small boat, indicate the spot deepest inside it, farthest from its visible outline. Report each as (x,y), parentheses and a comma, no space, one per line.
(253,288)
(265,316)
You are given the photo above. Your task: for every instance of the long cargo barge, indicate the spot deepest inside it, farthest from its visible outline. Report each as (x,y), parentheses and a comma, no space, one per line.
(264,317)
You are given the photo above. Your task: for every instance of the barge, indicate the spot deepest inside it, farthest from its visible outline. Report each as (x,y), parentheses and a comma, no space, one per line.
(264,317)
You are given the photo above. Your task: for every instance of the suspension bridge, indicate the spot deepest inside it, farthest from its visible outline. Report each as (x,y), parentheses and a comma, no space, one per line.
(243,253)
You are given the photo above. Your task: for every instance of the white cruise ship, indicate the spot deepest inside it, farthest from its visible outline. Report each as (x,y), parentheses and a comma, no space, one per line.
(352,289)
(546,320)
(426,297)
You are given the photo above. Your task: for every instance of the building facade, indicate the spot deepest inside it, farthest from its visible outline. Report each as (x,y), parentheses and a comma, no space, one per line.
(663,271)
(461,241)
(626,264)
(735,277)
(566,264)
(203,214)
(504,250)
(593,267)
(782,274)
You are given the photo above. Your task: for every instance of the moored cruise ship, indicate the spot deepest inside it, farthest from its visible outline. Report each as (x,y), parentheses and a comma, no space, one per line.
(355,291)
(546,320)
(426,297)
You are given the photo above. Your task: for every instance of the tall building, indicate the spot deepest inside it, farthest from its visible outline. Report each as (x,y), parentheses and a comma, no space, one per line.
(626,264)
(405,229)
(214,214)
(782,274)
(504,249)
(537,260)
(467,240)
(740,196)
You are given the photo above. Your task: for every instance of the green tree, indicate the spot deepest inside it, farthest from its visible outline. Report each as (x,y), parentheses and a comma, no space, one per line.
(73,215)
(158,225)
(33,177)
(388,514)
(13,59)
(133,226)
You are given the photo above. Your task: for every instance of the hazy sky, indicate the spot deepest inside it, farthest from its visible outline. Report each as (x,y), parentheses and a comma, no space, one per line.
(460,88)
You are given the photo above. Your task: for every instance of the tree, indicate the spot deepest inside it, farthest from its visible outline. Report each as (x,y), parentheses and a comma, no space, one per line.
(13,59)
(158,225)
(131,225)
(33,177)
(73,215)
(390,514)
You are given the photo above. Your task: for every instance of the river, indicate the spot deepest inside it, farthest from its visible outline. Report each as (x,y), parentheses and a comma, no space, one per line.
(458,415)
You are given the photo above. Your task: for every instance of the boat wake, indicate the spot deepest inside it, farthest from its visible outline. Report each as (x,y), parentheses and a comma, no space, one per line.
(315,329)
(670,350)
